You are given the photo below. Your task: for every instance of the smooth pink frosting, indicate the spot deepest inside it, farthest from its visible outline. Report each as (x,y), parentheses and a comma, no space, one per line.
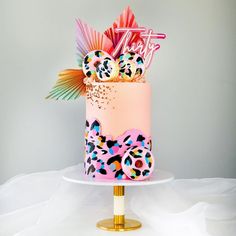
(120,106)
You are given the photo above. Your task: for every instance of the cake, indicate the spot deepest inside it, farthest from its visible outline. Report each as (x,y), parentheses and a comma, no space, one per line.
(112,77)
(115,121)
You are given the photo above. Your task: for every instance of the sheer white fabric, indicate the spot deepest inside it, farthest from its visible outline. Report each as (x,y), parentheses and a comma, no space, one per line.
(45,204)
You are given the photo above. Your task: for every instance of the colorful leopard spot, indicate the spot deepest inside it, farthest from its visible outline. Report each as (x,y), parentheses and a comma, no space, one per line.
(91,147)
(115,166)
(148,159)
(128,141)
(128,161)
(137,172)
(95,127)
(111,143)
(102,171)
(139,60)
(136,154)
(105,154)
(113,147)
(113,159)
(91,169)
(119,174)
(141,139)
(89,160)
(112,167)
(89,73)
(146,172)
(99,53)
(94,155)
(87,124)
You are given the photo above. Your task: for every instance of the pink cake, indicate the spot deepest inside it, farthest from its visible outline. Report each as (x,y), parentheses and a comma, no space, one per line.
(117,119)
(111,75)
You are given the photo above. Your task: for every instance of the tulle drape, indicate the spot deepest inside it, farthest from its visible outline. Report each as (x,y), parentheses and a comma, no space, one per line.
(45,204)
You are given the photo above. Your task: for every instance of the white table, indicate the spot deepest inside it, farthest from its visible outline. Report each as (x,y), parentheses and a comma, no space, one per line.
(118,222)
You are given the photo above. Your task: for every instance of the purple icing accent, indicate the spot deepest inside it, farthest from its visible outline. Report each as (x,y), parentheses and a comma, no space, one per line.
(103,154)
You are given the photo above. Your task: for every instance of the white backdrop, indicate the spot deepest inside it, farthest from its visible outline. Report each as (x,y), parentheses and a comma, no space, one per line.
(193,82)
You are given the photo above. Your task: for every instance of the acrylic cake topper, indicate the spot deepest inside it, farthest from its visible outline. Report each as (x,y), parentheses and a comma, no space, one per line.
(144,47)
(121,54)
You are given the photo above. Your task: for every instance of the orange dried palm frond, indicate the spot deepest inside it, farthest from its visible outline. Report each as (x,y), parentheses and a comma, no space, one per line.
(70,85)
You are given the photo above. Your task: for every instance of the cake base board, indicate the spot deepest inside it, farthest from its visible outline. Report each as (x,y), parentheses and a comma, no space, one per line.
(77,176)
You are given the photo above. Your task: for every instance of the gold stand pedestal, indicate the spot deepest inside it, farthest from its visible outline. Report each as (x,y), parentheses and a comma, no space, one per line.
(109,225)
(119,223)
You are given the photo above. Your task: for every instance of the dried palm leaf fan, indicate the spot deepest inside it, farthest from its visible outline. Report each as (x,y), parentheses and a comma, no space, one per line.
(70,84)
(125,20)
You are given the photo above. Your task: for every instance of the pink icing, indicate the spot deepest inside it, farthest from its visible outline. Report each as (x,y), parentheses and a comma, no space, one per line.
(100,150)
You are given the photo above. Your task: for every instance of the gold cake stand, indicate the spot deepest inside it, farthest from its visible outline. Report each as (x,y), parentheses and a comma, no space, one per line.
(119,221)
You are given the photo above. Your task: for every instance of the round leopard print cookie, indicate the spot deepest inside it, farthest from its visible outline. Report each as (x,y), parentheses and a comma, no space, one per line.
(107,70)
(127,69)
(92,60)
(131,66)
(138,163)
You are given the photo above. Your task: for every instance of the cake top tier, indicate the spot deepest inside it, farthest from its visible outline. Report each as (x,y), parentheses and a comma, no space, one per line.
(122,53)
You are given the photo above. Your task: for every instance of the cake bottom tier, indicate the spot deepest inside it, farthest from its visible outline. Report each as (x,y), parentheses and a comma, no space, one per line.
(127,156)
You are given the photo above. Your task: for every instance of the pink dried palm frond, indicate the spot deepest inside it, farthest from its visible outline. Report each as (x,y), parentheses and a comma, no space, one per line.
(89,39)
(125,20)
